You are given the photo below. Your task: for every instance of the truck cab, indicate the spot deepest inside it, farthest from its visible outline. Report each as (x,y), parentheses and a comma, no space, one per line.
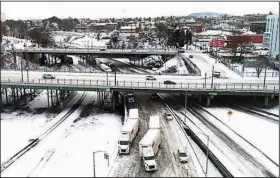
(148,159)
(124,147)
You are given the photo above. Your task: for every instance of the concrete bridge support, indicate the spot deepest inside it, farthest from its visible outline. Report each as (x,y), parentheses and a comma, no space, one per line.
(266,101)
(199,98)
(114,100)
(208,101)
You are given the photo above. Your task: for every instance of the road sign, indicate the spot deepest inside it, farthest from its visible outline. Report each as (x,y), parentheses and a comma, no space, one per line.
(229,112)
(212,94)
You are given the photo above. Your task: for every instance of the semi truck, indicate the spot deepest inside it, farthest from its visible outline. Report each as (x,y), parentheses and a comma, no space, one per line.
(127,135)
(133,113)
(148,148)
(154,122)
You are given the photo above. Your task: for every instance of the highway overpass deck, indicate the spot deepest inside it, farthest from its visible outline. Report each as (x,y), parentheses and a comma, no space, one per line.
(153,87)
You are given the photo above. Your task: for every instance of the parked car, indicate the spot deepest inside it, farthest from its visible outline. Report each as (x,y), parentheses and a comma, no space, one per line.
(168,82)
(150,78)
(48,76)
(181,153)
(167,116)
(190,56)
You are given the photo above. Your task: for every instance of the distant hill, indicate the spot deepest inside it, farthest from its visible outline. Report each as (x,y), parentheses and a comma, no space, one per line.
(208,14)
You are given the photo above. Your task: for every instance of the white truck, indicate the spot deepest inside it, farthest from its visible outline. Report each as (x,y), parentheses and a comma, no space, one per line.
(105,68)
(154,122)
(148,148)
(127,135)
(133,113)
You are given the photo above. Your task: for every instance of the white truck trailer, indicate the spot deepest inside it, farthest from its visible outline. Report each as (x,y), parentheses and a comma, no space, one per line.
(154,122)
(127,135)
(133,113)
(105,68)
(148,148)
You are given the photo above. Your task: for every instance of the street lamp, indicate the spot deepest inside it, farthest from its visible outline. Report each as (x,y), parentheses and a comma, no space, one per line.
(212,77)
(106,156)
(206,171)
(205,79)
(186,97)
(264,76)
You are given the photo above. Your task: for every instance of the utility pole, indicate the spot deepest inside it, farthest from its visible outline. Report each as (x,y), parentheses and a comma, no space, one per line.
(264,76)
(205,79)
(186,98)
(212,77)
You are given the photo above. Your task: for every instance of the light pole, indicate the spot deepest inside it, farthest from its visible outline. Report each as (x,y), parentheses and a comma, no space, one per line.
(205,79)
(106,156)
(107,78)
(212,77)
(264,76)
(186,97)
(206,171)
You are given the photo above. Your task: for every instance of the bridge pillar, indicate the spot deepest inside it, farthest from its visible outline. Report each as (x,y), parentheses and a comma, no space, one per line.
(49,61)
(14,97)
(254,98)
(114,99)
(6,93)
(48,97)
(17,97)
(199,98)
(266,101)
(208,101)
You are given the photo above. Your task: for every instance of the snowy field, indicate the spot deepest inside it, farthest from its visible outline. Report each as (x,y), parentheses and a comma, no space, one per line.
(176,61)
(68,150)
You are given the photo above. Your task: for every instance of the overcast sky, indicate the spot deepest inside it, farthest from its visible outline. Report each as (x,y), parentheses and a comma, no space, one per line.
(40,10)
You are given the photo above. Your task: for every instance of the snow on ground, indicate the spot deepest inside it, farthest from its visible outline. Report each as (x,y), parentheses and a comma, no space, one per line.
(68,150)
(176,61)
(18,43)
(262,133)
(88,42)
(274,110)
(205,63)
(40,101)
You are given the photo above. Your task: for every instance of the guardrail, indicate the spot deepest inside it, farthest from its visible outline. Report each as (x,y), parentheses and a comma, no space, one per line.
(93,71)
(234,87)
(99,50)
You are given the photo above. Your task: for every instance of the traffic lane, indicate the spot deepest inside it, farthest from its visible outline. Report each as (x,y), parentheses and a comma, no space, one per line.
(12,75)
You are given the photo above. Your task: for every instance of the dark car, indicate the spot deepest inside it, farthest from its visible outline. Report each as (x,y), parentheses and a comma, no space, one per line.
(154,96)
(168,82)
(190,56)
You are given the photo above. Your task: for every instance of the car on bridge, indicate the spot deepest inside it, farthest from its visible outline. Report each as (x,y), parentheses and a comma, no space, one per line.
(48,76)
(150,78)
(169,82)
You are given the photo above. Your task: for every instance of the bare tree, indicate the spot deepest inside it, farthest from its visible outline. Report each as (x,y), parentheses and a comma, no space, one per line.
(260,64)
(240,44)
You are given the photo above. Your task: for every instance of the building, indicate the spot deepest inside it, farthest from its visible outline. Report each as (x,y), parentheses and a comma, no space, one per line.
(104,27)
(251,38)
(271,35)
(258,27)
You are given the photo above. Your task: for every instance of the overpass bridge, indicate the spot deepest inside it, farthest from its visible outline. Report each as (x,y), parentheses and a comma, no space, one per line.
(30,53)
(98,50)
(112,86)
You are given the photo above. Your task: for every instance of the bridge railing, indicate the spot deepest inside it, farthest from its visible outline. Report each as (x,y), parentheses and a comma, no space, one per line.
(274,87)
(95,50)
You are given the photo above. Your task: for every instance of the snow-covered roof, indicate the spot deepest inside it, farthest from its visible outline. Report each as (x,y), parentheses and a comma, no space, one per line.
(249,33)
(214,32)
(128,27)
